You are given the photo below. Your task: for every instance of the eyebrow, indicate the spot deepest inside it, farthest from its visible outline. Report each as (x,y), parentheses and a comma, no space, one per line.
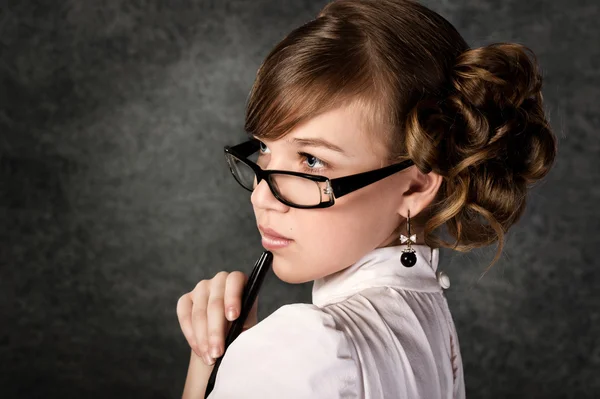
(317,142)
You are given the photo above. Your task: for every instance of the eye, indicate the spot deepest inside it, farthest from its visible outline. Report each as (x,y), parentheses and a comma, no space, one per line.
(313,163)
(263,147)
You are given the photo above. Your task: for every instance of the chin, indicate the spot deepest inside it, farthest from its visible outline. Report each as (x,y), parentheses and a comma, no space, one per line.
(287,273)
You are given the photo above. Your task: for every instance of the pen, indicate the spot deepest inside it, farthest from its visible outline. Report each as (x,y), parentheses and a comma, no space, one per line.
(257,276)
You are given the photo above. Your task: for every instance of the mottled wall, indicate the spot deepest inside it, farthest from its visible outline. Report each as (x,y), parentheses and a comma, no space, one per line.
(115,198)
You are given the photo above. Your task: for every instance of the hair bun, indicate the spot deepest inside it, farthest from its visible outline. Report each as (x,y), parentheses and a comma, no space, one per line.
(499,75)
(489,139)
(497,90)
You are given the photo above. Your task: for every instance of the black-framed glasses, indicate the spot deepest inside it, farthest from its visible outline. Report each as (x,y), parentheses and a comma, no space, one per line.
(296,189)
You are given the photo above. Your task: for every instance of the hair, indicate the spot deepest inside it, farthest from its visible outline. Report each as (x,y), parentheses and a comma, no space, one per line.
(473,116)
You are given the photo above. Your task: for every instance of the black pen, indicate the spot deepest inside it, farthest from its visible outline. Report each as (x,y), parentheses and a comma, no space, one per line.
(260,270)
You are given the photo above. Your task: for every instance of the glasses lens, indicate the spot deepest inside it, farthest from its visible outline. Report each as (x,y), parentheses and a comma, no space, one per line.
(242,172)
(293,189)
(297,190)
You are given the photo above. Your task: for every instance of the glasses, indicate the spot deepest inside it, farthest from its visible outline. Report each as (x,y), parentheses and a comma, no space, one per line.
(296,189)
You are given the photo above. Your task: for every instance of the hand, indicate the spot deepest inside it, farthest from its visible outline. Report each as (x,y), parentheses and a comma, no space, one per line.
(206,313)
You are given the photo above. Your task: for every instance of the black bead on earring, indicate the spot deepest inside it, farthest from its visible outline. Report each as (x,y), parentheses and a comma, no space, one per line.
(408,257)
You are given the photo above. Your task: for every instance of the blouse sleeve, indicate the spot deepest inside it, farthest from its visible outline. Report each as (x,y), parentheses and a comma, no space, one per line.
(296,352)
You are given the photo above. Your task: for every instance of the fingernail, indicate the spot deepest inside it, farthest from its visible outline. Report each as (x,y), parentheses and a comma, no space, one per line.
(215,352)
(231,313)
(208,360)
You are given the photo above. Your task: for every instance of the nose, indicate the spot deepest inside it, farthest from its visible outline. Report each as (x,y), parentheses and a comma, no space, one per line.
(263,198)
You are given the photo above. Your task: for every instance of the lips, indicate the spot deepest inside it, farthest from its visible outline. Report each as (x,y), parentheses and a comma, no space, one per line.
(272,233)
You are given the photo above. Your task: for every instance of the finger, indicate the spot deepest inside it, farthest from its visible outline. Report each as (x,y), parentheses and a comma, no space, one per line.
(184,314)
(217,323)
(199,322)
(234,290)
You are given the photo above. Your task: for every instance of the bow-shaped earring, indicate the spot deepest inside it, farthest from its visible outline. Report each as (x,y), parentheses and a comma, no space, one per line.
(408,257)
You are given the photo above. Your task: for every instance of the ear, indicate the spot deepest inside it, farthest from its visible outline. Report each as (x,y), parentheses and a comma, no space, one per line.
(421,190)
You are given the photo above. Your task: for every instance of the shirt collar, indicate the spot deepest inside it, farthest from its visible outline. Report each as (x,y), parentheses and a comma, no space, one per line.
(380,268)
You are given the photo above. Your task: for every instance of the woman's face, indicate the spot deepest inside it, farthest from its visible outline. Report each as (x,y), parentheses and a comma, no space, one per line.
(328,240)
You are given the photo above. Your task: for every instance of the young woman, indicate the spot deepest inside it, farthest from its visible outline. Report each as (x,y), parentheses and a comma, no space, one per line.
(452,138)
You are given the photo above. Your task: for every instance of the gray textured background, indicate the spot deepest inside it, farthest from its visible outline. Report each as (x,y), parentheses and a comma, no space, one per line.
(115,198)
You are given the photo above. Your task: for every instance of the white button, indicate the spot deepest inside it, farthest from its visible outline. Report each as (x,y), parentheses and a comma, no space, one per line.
(444,280)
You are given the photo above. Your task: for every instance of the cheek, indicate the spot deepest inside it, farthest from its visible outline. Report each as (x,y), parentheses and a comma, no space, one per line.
(332,239)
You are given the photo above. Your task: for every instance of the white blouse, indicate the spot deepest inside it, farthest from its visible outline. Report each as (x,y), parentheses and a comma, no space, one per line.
(374,330)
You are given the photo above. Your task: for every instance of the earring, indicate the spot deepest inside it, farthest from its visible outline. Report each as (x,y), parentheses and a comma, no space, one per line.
(408,257)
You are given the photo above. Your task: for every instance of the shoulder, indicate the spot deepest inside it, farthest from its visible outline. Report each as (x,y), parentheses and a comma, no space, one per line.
(300,333)
(306,326)
(409,334)
(304,317)
(297,348)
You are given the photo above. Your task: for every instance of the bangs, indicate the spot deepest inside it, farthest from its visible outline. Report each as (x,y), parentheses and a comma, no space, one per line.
(318,67)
